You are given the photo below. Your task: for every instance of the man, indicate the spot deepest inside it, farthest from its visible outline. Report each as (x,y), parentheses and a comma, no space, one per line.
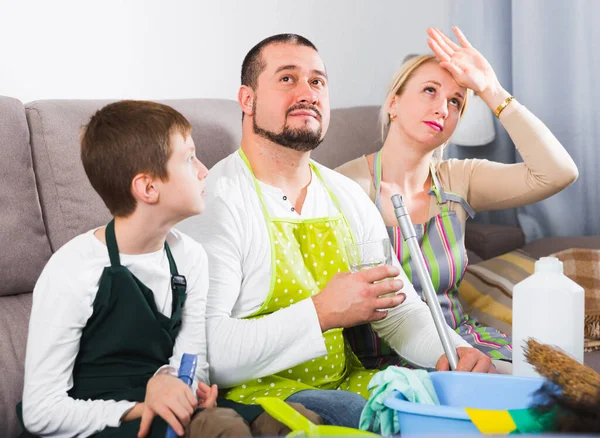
(280,293)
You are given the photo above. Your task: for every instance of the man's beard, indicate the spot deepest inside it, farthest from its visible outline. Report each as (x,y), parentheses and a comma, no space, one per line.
(298,139)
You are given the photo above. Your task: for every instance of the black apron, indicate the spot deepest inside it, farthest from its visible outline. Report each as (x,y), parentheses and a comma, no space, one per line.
(126,340)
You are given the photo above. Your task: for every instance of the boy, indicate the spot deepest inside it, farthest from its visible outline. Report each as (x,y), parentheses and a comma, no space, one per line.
(116,307)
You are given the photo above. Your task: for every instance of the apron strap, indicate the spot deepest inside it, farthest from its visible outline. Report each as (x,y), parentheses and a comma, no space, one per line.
(377,179)
(113,250)
(178,282)
(457,198)
(172,265)
(334,198)
(268,218)
(179,287)
(436,188)
(438,191)
(441,195)
(111,244)
(314,169)
(256,184)
(331,194)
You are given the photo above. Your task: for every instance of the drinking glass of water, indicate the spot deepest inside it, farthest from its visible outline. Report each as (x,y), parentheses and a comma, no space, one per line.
(365,255)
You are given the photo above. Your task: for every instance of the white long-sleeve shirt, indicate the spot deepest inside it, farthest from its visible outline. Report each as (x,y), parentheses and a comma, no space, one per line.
(62,304)
(234,233)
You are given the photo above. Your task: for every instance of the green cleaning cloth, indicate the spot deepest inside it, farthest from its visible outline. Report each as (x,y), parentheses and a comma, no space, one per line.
(415,385)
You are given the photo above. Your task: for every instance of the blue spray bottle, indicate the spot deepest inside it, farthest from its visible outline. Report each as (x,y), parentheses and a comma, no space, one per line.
(186,373)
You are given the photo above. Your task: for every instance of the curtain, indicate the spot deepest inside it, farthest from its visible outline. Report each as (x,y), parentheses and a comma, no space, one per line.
(547,54)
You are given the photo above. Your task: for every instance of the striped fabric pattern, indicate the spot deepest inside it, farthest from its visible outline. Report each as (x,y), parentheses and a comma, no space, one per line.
(442,245)
(582,265)
(443,249)
(445,262)
(486,289)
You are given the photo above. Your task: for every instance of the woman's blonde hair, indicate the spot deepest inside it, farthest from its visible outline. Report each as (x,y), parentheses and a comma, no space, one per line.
(396,88)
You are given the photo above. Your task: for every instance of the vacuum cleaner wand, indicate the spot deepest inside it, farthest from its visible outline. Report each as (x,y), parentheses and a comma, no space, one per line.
(408,231)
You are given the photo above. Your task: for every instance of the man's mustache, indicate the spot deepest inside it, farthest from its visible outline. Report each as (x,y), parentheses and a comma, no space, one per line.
(305,107)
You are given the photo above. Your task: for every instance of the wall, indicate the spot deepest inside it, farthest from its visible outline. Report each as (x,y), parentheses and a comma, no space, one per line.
(182,49)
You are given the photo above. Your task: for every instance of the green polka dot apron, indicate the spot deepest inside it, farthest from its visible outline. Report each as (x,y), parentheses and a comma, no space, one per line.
(442,244)
(305,254)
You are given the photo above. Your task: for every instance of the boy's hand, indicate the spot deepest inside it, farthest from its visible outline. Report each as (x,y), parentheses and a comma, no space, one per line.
(134,413)
(207,396)
(169,398)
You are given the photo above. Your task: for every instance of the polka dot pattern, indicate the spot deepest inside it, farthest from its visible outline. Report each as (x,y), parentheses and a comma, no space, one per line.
(305,257)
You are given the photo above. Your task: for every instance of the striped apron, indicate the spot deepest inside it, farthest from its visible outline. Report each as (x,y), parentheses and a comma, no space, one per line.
(442,243)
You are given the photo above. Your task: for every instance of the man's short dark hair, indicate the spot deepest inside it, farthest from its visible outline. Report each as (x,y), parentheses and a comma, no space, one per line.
(253,64)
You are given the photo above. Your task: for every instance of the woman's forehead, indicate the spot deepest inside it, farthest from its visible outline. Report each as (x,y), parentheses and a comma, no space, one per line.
(431,71)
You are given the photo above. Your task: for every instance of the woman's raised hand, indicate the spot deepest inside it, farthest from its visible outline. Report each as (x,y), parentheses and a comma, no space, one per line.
(469,68)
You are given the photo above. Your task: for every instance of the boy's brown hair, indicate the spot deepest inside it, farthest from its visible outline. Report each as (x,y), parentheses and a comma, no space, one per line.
(124,139)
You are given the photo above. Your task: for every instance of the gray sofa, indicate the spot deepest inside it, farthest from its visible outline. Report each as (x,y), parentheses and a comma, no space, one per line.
(487,241)
(45,198)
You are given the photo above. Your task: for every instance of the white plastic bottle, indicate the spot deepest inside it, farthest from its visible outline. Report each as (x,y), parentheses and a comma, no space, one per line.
(549,307)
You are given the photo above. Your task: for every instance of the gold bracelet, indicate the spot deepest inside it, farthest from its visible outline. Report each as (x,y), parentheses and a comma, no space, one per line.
(503,105)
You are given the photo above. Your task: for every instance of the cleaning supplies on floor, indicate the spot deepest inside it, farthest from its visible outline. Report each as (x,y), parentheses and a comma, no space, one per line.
(573,399)
(414,385)
(471,404)
(549,307)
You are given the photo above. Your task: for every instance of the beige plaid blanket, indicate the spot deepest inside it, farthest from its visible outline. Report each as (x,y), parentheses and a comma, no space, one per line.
(583,267)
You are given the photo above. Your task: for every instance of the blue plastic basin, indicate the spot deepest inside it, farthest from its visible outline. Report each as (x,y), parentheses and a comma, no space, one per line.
(457,391)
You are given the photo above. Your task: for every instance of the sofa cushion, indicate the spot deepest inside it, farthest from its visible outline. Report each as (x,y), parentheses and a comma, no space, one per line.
(473,258)
(491,240)
(352,132)
(25,247)
(14,321)
(70,204)
(72,207)
(486,288)
(583,267)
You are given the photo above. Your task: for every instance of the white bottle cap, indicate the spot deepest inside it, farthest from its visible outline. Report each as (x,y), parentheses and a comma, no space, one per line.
(549,264)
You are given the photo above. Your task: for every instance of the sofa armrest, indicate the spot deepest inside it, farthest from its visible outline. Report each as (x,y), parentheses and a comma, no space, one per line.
(491,240)
(549,245)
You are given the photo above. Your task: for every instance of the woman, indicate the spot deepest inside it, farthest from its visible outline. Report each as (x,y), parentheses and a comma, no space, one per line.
(421,111)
